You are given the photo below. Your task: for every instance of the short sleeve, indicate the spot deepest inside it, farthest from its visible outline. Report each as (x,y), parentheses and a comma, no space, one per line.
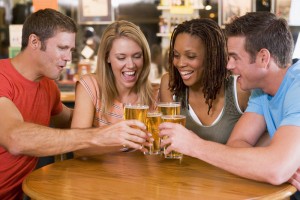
(89,82)
(255,102)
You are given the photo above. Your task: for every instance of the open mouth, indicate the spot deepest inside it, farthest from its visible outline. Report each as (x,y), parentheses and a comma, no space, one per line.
(186,74)
(129,75)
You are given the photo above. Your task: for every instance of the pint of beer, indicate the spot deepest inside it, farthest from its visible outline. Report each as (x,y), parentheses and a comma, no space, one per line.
(169,108)
(152,122)
(179,119)
(136,111)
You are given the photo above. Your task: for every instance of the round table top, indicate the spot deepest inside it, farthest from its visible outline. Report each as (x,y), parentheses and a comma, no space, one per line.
(132,175)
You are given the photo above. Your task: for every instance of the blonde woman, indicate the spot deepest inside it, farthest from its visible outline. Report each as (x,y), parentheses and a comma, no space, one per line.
(121,77)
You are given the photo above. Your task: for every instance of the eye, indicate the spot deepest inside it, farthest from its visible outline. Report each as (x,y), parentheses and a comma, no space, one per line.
(176,55)
(233,57)
(139,55)
(121,58)
(63,47)
(191,57)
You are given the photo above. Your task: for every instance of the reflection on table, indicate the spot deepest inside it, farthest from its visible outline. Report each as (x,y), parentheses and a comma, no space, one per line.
(132,175)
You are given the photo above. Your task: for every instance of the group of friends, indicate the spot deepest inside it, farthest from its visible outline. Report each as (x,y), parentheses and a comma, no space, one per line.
(238,89)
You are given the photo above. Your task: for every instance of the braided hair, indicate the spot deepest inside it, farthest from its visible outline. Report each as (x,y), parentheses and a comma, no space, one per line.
(215,60)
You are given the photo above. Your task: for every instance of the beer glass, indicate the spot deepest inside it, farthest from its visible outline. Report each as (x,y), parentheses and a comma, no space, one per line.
(179,119)
(169,108)
(136,111)
(152,122)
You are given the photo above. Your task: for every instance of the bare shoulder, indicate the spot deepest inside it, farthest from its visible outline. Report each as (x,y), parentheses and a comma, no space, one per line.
(165,79)
(164,92)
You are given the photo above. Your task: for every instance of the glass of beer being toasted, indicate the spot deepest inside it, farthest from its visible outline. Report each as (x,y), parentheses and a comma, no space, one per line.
(169,108)
(179,119)
(152,122)
(136,111)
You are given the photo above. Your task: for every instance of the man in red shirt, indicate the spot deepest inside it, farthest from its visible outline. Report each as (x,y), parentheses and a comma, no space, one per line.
(30,100)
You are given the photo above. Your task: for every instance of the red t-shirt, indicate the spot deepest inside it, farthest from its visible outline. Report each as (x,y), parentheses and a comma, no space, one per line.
(36,101)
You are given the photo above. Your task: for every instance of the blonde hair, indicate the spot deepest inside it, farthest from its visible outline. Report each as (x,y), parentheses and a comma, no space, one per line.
(104,71)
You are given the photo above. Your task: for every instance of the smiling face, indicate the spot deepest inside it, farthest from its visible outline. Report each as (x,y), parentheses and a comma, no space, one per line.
(249,73)
(58,52)
(126,59)
(189,52)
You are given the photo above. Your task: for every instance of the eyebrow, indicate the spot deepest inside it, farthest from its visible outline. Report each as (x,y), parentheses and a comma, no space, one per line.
(232,54)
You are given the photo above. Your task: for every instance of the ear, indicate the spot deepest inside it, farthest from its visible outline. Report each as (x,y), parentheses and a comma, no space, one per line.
(34,41)
(263,57)
(108,60)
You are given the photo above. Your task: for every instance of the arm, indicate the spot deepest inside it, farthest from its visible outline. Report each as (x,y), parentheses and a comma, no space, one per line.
(242,137)
(19,137)
(63,119)
(274,164)
(84,109)
(164,92)
(83,118)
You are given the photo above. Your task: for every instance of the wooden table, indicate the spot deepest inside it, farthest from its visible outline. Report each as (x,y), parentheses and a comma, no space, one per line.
(67,96)
(131,175)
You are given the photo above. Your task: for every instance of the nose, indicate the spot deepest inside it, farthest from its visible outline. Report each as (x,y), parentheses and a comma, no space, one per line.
(68,56)
(230,64)
(181,62)
(130,63)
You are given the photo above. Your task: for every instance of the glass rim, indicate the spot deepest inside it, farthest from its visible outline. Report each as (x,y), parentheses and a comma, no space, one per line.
(169,103)
(136,106)
(154,114)
(173,116)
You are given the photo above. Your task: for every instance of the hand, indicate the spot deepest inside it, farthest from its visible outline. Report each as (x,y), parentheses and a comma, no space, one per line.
(295,179)
(129,133)
(177,137)
(147,143)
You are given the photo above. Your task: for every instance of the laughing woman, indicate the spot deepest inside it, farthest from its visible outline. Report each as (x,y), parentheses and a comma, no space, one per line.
(210,99)
(121,77)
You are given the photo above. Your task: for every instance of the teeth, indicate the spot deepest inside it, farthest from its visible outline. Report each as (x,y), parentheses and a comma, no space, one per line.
(129,73)
(185,73)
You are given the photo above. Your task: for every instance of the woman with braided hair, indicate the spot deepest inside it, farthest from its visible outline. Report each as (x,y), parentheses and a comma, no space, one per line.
(210,98)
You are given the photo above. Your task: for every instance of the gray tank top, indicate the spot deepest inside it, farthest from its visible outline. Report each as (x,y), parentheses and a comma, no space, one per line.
(221,129)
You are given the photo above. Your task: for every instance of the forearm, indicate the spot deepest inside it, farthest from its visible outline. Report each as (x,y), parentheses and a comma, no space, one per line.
(36,140)
(253,163)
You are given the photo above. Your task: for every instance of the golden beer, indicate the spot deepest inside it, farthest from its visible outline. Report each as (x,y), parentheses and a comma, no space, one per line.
(138,112)
(152,122)
(169,108)
(179,119)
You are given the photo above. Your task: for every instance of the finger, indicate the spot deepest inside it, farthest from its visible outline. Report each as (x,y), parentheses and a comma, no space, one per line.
(295,183)
(136,139)
(164,133)
(167,150)
(137,132)
(296,180)
(133,145)
(165,125)
(147,144)
(143,149)
(165,141)
(136,123)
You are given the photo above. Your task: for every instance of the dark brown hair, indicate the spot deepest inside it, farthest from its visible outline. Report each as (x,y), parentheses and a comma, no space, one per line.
(215,60)
(264,30)
(45,23)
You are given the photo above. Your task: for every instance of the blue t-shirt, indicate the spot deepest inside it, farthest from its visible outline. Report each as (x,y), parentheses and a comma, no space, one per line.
(283,108)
